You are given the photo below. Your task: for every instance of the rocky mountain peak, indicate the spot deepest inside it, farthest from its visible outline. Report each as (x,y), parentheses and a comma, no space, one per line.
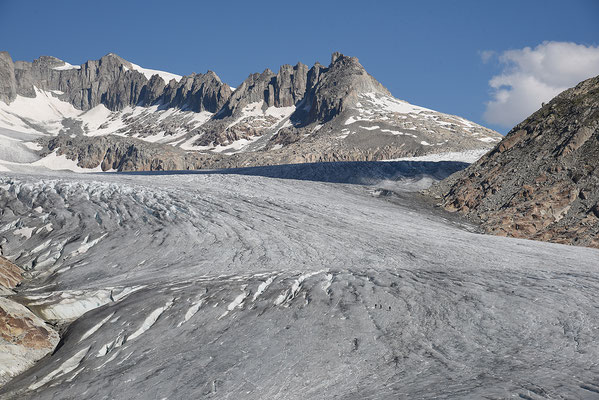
(111,61)
(48,62)
(116,57)
(336,55)
(213,75)
(111,81)
(196,92)
(336,88)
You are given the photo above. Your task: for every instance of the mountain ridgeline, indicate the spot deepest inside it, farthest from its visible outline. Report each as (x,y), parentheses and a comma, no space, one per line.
(115,83)
(118,115)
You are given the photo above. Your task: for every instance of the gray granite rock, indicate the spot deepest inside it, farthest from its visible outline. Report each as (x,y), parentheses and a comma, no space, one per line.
(332,90)
(113,82)
(8,85)
(197,92)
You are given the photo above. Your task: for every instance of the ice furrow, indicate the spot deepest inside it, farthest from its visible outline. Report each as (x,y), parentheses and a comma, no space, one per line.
(69,365)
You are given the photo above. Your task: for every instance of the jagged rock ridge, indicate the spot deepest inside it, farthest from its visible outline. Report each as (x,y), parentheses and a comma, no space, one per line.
(299,114)
(111,81)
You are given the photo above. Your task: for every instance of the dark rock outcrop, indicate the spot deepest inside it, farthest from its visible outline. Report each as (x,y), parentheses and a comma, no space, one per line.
(332,90)
(8,83)
(197,92)
(119,153)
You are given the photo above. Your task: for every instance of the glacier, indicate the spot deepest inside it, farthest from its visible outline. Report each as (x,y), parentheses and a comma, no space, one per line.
(320,281)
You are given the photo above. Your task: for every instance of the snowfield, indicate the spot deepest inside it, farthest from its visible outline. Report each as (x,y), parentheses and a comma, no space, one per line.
(325,281)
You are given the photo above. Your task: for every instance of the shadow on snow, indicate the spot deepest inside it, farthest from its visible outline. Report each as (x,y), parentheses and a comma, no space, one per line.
(352,172)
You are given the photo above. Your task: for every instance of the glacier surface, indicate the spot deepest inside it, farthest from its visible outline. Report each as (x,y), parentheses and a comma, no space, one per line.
(256,284)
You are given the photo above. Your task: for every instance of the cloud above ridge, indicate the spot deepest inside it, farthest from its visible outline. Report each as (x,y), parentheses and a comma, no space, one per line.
(531,76)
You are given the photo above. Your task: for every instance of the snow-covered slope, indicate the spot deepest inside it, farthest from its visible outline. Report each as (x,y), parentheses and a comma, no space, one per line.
(407,119)
(242,286)
(167,76)
(46,115)
(42,114)
(19,152)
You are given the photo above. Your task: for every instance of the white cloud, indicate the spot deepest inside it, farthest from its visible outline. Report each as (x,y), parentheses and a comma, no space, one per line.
(533,76)
(486,55)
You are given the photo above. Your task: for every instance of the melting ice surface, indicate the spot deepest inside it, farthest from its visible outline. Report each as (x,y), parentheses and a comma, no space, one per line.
(254,284)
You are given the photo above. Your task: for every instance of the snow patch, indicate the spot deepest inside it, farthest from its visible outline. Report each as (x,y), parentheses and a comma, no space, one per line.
(47,227)
(150,321)
(114,344)
(290,294)
(44,109)
(192,311)
(71,304)
(66,67)
(86,245)
(56,162)
(166,76)
(263,286)
(390,104)
(468,156)
(327,283)
(392,132)
(238,302)
(489,139)
(24,232)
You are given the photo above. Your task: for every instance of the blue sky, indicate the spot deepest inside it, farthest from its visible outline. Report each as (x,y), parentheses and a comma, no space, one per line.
(425,52)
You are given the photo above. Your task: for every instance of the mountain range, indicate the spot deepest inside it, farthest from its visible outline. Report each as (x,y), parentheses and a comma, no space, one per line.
(111,114)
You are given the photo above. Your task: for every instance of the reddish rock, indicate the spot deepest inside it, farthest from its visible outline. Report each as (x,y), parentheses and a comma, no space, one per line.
(10,274)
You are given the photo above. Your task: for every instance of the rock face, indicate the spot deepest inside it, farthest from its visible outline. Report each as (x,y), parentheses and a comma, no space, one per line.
(197,92)
(334,89)
(24,337)
(131,154)
(8,84)
(113,82)
(284,89)
(116,153)
(21,328)
(542,181)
